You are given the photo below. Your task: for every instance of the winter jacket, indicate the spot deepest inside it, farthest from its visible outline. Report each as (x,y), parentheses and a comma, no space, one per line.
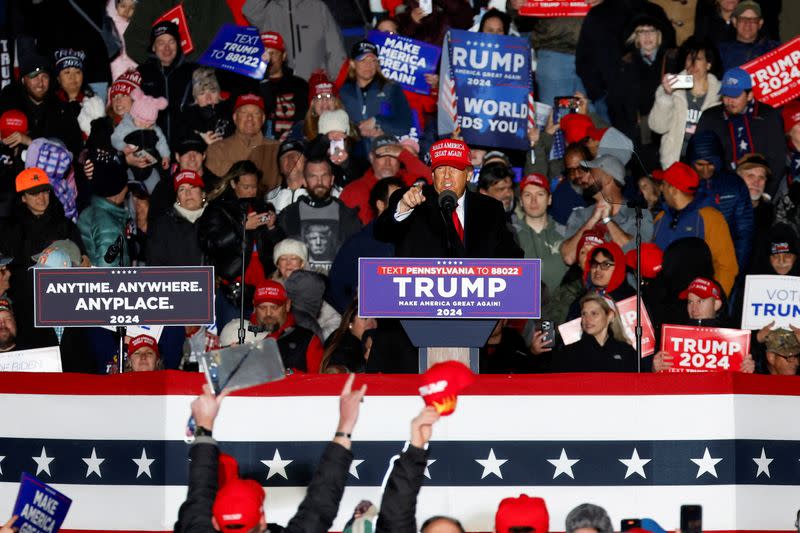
(384,101)
(289,220)
(203,18)
(173,83)
(220,234)
(587,355)
(51,118)
(343,286)
(173,241)
(221,156)
(315,514)
(735,53)
(313,39)
(126,127)
(103,225)
(29,234)
(617,289)
(601,37)
(398,509)
(356,194)
(668,117)
(545,246)
(559,34)
(709,24)
(726,192)
(447,14)
(766,131)
(215,118)
(285,101)
(699,220)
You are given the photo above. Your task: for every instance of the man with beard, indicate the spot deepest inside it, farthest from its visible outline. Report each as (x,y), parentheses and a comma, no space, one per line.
(8,327)
(272,317)
(319,215)
(610,215)
(47,115)
(496,179)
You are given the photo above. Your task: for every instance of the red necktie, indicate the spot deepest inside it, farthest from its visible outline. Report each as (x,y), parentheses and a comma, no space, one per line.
(458,226)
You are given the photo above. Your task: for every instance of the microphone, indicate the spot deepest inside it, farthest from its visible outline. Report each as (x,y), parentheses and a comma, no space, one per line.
(448,201)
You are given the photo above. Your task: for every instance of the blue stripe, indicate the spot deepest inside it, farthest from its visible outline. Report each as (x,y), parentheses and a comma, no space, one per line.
(455,465)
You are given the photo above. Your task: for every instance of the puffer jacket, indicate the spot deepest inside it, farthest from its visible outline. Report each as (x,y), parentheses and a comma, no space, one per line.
(559,34)
(726,192)
(220,233)
(668,117)
(172,241)
(102,225)
(384,101)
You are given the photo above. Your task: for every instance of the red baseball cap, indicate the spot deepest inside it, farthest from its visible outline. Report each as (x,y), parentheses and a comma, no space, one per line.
(270,291)
(702,287)
(440,385)
(790,112)
(577,127)
(534,179)
(450,152)
(319,84)
(652,260)
(273,39)
(249,99)
(187,176)
(593,237)
(13,121)
(523,511)
(143,341)
(239,505)
(679,175)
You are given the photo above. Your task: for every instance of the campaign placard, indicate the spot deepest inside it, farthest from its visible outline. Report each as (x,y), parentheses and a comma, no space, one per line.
(571,331)
(168,296)
(627,313)
(39,507)
(406,60)
(36,360)
(449,288)
(177,16)
(698,349)
(237,49)
(776,74)
(492,76)
(554,8)
(771,298)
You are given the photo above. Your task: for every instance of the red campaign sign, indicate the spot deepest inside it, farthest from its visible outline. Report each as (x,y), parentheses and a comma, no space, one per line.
(776,74)
(697,349)
(554,8)
(178,16)
(627,313)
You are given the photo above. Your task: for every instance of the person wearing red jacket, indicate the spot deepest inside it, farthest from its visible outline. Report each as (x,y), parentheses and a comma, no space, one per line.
(388,158)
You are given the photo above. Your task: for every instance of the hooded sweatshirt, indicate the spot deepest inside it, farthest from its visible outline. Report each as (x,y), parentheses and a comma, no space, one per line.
(726,192)
(617,288)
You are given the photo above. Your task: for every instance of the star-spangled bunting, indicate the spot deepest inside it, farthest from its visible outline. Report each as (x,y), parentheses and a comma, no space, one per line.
(707,464)
(1,463)
(93,464)
(635,465)
(354,467)
(491,465)
(43,463)
(277,465)
(143,465)
(563,465)
(763,463)
(427,468)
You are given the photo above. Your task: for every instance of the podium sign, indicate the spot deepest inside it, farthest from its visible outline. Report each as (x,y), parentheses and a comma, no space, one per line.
(449,288)
(84,297)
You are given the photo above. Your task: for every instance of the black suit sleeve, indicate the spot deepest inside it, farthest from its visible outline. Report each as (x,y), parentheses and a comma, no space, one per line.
(388,229)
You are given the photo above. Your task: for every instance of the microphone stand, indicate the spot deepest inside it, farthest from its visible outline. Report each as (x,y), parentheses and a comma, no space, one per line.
(242,330)
(637,206)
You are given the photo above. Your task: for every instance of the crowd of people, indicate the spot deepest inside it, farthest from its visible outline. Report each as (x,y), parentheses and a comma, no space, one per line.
(134,155)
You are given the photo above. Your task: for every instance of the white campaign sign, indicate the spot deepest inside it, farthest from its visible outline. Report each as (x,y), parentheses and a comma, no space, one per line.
(37,360)
(768,298)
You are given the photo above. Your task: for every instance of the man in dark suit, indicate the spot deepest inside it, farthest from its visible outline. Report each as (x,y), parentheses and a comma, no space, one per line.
(419,227)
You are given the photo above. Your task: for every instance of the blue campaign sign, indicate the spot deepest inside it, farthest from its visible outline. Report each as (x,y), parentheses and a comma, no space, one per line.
(40,508)
(492,75)
(449,288)
(406,60)
(237,49)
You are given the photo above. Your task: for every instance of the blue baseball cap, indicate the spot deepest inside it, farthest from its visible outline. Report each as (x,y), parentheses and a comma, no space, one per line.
(735,82)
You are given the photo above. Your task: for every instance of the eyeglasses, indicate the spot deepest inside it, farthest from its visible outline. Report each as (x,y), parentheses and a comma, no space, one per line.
(605,265)
(795,357)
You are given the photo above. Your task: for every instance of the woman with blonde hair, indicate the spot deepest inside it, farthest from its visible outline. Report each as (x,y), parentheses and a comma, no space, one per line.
(603,346)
